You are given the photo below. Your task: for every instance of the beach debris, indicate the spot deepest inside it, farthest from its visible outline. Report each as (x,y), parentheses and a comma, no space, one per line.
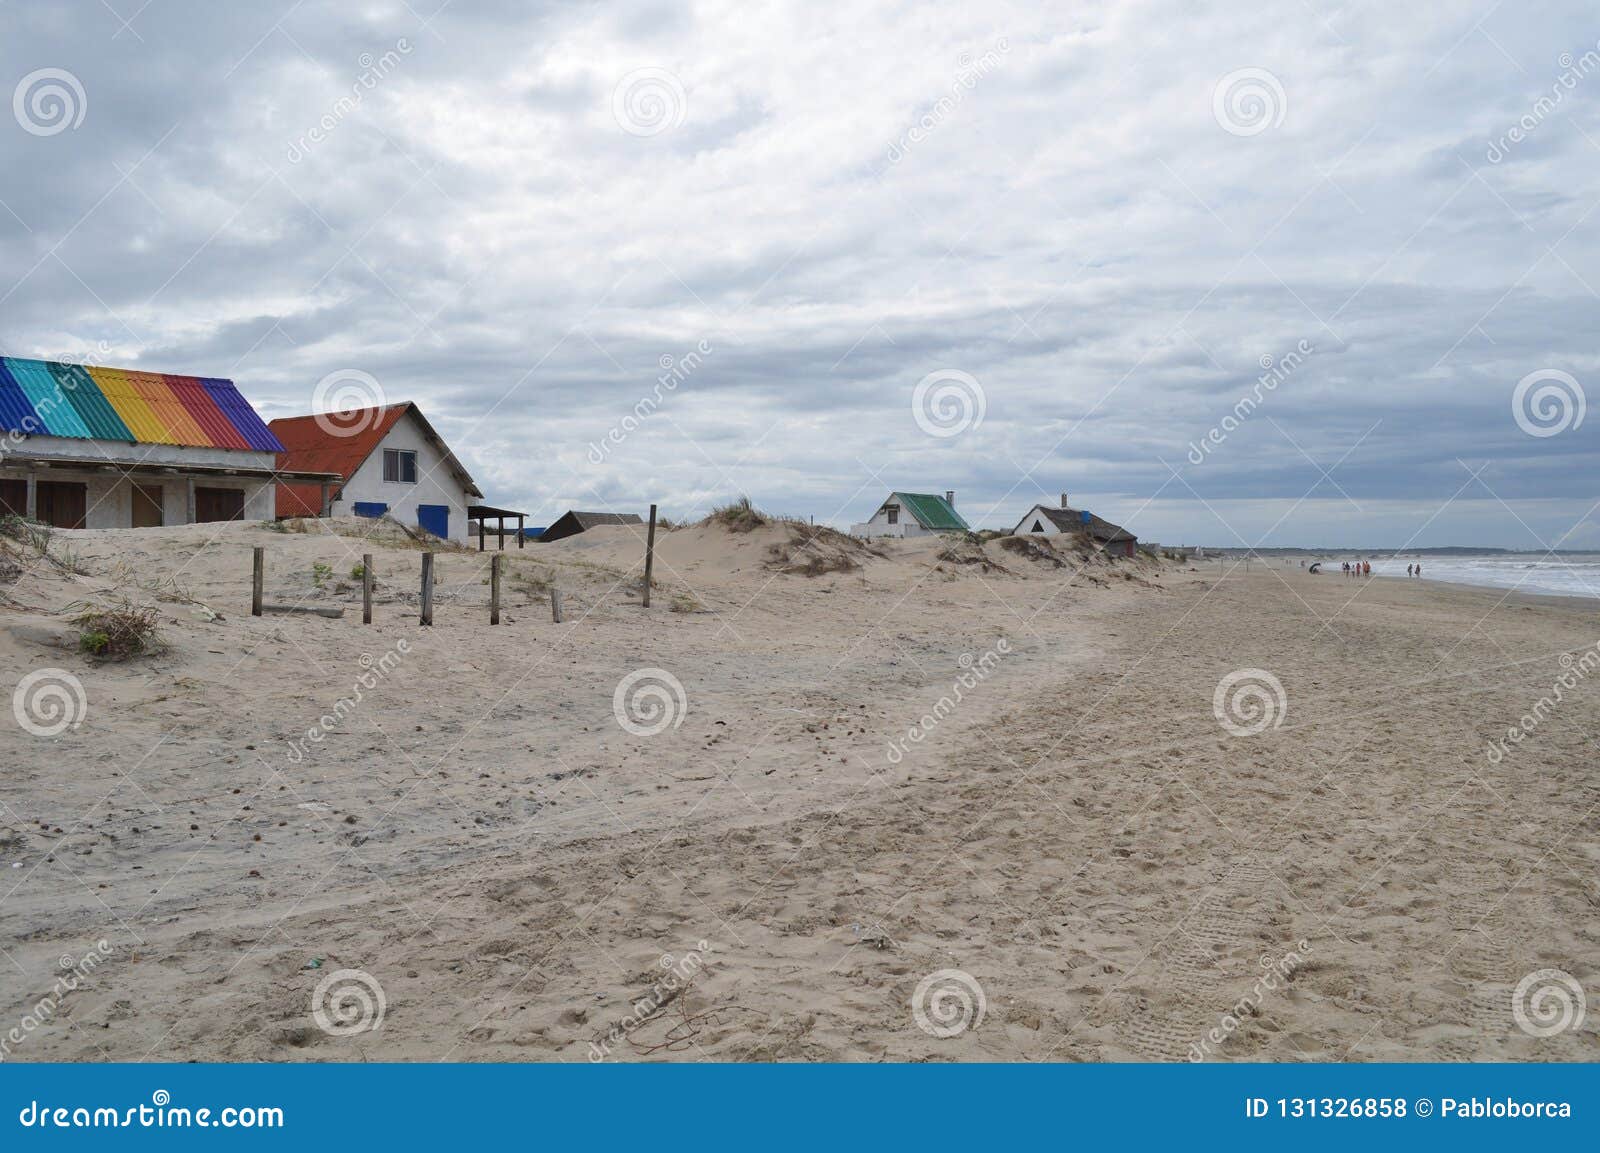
(314,963)
(119,632)
(873,936)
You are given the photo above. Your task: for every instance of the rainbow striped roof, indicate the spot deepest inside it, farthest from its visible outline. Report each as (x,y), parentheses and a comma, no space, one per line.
(45,397)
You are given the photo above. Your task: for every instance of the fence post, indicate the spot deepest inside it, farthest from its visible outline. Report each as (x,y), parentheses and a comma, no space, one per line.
(257,580)
(427,588)
(649,555)
(555,605)
(366,588)
(494,588)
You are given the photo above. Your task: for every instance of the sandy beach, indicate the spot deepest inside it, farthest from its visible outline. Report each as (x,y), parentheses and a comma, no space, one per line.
(883,765)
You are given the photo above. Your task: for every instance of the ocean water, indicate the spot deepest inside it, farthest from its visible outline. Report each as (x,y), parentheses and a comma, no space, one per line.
(1573,576)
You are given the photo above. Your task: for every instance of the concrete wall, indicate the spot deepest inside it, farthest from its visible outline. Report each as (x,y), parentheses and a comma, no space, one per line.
(120,452)
(879,526)
(437,483)
(109,495)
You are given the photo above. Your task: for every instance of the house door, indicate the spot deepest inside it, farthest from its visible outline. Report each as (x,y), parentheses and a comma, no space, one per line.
(218,504)
(146,506)
(13,498)
(435,518)
(62,503)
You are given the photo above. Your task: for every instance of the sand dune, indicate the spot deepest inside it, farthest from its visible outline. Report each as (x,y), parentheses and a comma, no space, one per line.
(777,870)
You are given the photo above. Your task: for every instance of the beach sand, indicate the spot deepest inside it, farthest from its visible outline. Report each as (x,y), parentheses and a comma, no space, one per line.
(1110,871)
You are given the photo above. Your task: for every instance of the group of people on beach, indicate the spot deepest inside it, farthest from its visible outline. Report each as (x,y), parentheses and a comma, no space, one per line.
(1364,568)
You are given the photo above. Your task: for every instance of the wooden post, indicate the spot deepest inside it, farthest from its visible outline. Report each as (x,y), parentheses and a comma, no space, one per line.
(427,588)
(522,537)
(555,605)
(502,524)
(480,534)
(649,555)
(257,579)
(327,504)
(494,588)
(33,495)
(366,588)
(190,515)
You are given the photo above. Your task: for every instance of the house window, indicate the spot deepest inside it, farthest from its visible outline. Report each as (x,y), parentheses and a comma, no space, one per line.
(894,513)
(400,464)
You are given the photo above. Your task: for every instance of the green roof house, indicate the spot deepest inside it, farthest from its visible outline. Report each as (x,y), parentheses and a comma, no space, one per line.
(913,514)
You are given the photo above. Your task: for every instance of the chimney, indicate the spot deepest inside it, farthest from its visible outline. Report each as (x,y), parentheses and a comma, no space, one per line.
(1064,503)
(950,497)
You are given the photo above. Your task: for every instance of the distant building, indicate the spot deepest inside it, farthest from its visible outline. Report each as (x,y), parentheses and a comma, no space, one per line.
(572,522)
(1045,520)
(906,514)
(90,447)
(389,461)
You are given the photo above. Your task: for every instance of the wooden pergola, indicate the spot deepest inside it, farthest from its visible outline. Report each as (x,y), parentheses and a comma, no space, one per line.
(483,513)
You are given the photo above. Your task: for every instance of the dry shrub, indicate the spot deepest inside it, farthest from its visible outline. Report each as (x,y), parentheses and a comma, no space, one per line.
(966,549)
(820,564)
(686,603)
(1032,548)
(815,550)
(120,632)
(738,516)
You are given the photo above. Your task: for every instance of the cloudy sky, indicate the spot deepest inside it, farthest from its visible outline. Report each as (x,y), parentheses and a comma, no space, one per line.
(919,246)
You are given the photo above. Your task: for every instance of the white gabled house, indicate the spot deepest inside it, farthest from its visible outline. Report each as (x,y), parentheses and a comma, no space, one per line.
(392,461)
(906,514)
